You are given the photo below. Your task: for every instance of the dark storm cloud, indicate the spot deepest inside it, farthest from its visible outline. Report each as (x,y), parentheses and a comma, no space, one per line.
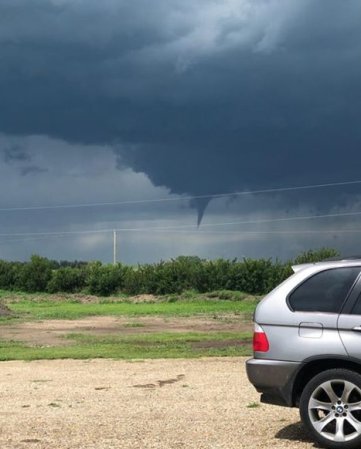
(32,169)
(15,153)
(204,97)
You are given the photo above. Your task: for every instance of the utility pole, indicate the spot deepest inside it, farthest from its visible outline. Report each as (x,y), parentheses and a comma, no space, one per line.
(114,247)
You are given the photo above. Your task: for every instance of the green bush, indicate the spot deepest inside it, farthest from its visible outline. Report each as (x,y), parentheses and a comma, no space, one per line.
(175,276)
(67,280)
(191,273)
(9,272)
(132,282)
(252,276)
(318,255)
(35,275)
(214,275)
(104,280)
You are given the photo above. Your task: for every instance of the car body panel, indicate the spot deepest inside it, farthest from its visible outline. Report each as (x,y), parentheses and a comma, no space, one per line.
(287,344)
(276,386)
(350,333)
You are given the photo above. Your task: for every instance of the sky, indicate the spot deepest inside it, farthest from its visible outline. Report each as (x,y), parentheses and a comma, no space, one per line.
(116,114)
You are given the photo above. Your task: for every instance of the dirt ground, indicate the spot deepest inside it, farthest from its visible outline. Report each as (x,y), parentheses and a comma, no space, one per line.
(52,332)
(158,404)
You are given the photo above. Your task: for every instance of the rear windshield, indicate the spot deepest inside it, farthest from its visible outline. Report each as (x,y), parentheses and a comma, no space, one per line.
(325,291)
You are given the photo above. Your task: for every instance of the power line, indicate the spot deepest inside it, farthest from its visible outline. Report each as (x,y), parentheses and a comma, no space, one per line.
(182,198)
(218,233)
(306,231)
(175,227)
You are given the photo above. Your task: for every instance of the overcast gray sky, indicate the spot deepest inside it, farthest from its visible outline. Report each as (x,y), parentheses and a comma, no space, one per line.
(115,101)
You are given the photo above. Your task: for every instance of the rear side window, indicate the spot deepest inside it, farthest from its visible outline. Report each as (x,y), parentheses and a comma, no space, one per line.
(325,291)
(357,308)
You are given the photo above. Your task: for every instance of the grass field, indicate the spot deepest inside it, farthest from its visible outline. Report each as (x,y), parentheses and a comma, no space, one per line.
(61,310)
(27,309)
(165,345)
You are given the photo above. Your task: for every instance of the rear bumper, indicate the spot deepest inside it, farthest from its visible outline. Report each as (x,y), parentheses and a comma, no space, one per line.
(273,379)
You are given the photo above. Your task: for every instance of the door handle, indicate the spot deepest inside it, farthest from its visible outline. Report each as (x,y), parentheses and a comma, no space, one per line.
(357,328)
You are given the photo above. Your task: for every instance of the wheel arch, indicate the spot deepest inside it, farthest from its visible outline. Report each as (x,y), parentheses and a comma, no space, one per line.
(312,367)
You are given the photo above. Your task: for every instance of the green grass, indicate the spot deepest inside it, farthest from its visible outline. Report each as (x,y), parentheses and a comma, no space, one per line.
(10,295)
(223,305)
(141,346)
(67,310)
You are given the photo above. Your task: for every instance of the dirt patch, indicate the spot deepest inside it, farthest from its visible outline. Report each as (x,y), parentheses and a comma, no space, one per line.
(144,298)
(217,344)
(52,332)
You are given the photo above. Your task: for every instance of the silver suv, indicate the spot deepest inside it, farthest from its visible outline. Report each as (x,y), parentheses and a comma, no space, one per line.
(307,349)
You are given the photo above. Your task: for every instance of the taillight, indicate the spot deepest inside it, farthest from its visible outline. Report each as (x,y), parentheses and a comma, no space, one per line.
(260,340)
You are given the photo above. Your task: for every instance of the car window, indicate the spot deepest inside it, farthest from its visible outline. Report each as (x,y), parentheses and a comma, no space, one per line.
(357,307)
(325,291)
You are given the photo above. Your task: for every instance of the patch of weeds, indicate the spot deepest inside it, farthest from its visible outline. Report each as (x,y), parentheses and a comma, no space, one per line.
(253,405)
(136,324)
(172,299)
(190,295)
(4,320)
(227,295)
(40,381)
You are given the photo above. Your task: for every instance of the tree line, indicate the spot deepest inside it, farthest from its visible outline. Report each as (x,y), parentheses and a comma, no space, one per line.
(253,276)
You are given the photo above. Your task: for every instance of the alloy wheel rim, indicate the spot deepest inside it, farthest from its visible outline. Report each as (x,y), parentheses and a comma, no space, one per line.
(334,409)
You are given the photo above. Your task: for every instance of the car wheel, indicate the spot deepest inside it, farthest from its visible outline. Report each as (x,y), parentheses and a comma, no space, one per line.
(330,407)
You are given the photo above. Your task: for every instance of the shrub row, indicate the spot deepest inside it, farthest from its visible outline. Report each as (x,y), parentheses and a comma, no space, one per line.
(175,276)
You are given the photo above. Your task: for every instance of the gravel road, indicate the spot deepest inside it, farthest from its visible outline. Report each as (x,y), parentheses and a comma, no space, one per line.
(165,404)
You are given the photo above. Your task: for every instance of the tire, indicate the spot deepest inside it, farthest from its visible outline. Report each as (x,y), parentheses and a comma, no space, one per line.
(330,408)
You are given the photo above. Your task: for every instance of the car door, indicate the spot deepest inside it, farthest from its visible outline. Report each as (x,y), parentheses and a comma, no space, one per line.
(349,322)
